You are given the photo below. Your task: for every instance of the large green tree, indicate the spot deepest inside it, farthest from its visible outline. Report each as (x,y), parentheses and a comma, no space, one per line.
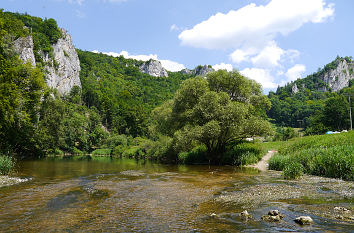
(216,111)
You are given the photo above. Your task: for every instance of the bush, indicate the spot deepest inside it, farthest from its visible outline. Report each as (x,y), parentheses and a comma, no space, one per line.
(293,170)
(243,154)
(76,151)
(196,156)
(98,152)
(7,164)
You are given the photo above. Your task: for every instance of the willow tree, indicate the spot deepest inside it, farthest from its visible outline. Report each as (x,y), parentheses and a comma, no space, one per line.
(216,111)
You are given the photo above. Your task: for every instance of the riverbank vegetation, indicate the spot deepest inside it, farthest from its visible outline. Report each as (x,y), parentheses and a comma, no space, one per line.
(7,164)
(324,155)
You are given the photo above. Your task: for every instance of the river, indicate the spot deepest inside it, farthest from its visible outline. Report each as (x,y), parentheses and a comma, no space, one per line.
(123,195)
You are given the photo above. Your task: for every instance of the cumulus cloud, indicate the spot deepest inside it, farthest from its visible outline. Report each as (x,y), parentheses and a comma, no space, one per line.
(223,66)
(295,72)
(167,64)
(255,26)
(262,76)
(251,31)
(269,56)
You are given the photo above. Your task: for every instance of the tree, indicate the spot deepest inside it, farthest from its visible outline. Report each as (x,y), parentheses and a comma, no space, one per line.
(213,112)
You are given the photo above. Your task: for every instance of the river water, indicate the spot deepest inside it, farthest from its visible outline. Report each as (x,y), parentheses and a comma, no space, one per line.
(122,195)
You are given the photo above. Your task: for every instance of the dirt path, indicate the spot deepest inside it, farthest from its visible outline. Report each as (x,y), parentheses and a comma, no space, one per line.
(262,165)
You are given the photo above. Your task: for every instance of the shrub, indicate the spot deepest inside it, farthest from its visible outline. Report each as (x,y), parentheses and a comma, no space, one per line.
(7,164)
(243,154)
(196,156)
(293,170)
(102,152)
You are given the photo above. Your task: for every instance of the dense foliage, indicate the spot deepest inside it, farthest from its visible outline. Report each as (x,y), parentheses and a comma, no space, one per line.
(44,32)
(314,106)
(123,95)
(214,113)
(324,155)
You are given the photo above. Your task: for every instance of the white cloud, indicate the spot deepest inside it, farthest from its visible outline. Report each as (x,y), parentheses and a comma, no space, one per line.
(251,31)
(172,65)
(223,66)
(269,56)
(167,64)
(255,26)
(295,72)
(262,76)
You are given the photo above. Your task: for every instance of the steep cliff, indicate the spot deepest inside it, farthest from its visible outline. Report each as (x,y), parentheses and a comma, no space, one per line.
(64,73)
(153,68)
(333,77)
(62,69)
(24,47)
(339,77)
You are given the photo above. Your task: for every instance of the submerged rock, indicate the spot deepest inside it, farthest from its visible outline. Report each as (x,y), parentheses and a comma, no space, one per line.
(273,216)
(304,220)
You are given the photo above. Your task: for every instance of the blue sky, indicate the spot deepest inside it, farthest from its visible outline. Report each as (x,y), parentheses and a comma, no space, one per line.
(271,41)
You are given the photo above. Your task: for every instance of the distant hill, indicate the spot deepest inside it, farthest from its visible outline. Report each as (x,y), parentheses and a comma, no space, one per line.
(297,101)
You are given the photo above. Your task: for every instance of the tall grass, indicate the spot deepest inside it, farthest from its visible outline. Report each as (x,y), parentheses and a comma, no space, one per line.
(7,164)
(325,155)
(244,154)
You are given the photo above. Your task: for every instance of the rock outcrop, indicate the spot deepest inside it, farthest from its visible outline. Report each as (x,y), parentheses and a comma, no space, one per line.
(339,77)
(198,71)
(24,47)
(153,68)
(64,73)
(62,70)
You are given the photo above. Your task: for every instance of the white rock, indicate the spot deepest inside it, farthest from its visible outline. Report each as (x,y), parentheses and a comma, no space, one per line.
(304,220)
(24,47)
(153,68)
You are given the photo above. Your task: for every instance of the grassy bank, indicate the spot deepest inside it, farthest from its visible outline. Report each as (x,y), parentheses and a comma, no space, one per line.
(7,164)
(324,155)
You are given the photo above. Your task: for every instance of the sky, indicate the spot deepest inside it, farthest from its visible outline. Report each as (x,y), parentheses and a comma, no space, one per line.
(270,41)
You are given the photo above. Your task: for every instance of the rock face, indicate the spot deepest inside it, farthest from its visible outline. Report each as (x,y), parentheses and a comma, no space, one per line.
(65,73)
(62,74)
(203,70)
(24,47)
(339,78)
(153,68)
(295,89)
(198,71)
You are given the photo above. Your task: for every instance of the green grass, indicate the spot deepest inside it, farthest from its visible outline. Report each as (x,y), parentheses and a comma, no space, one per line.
(244,154)
(325,155)
(7,164)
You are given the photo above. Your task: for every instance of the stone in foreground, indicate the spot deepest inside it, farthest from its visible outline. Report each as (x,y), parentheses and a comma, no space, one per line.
(304,220)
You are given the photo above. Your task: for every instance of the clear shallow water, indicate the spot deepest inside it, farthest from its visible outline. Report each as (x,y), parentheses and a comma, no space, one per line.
(121,195)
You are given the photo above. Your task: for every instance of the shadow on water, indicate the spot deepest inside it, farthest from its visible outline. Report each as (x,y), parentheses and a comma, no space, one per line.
(122,195)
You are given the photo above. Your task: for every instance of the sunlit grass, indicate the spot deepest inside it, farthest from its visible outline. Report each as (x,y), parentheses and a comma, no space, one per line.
(325,155)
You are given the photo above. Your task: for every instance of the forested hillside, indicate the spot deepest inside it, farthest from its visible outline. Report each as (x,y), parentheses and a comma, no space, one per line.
(122,94)
(311,103)
(115,98)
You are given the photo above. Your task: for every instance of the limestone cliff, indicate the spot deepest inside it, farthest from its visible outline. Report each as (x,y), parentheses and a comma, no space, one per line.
(24,47)
(198,71)
(61,73)
(153,68)
(64,73)
(339,77)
